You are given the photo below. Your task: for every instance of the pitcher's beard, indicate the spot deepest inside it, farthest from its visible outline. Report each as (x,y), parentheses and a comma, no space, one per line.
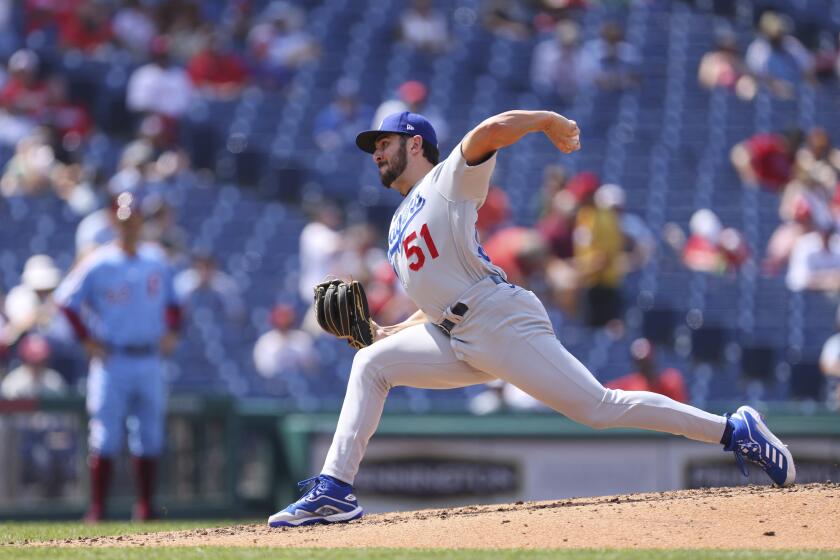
(394,168)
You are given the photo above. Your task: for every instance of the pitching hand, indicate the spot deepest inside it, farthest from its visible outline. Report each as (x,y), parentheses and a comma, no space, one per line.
(564,134)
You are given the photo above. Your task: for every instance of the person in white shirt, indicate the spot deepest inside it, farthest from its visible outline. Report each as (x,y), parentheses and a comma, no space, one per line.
(815,262)
(33,378)
(556,63)
(159,87)
(320,247)
(284,349)
(424,28)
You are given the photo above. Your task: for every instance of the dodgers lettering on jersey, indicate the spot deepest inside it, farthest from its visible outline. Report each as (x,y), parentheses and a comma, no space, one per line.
(433,245)
(122,299)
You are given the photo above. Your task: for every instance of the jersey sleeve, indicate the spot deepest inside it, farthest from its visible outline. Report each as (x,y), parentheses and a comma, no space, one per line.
(458,181)
(74,290)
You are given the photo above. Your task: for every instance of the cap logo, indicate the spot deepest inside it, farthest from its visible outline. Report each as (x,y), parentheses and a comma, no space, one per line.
(409,127)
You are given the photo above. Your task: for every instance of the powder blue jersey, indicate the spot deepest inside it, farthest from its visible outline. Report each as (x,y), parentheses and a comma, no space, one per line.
(122,299)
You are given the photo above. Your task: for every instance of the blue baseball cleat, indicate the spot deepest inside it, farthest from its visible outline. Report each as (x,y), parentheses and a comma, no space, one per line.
(327,501)
(753,441)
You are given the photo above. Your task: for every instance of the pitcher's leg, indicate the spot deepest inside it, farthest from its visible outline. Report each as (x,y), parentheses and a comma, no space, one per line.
(419,356)
(535,361)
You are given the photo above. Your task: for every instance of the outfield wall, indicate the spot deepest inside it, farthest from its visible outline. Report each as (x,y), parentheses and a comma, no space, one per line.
(417,462)
(228,458)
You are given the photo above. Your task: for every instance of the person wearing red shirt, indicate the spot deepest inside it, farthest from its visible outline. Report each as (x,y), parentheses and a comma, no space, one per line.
(648,377)
(767,158)
(86,29)
(216,69)
(25,93)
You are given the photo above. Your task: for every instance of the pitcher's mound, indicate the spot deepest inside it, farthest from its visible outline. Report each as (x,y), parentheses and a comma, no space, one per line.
(754,517)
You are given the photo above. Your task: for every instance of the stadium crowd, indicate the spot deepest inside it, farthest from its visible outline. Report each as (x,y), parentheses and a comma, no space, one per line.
(164,56)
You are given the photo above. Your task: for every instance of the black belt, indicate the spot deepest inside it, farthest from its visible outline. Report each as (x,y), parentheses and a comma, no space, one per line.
(132,349)
(460,308)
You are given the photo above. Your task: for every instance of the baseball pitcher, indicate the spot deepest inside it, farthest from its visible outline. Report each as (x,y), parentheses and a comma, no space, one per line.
(473,326)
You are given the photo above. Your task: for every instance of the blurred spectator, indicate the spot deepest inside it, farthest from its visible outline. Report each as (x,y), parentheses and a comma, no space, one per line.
(805,206)
(812,185)
(521,253)
(160,87)
(362,252)
(784,238)
(71,121)
(216,70)
(549,12)
(766,158)
(556,65)
(182,22)
(598,246)
(204,285)
(610,63)
(337,124)
(830,356)
(160,227)
(500,396)
(35,169)
(28,305)
(639,242)
(507,19)
(830,359)
(284,349)
(557,226)
(86,27)
(815,261)
(29,171)
(23,97)
(279,43)
(387,299)
(134,27)
(724,67)
(412,96)
(33,379)
(819,156)
(424,28)
(320,248)
(30,308)
(648,377)
(777,58)
(710,247)
(553,181)
(493,214)
(733,249)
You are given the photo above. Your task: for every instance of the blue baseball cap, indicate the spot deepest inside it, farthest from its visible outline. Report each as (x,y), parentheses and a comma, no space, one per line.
(405,123)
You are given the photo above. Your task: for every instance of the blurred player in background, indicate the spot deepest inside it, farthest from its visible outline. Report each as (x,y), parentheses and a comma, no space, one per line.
(122,305)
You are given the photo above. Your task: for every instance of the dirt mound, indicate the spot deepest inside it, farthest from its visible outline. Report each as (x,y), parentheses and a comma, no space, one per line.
(758,517)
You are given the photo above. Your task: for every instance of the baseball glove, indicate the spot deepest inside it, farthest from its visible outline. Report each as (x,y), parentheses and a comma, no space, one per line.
(342,310)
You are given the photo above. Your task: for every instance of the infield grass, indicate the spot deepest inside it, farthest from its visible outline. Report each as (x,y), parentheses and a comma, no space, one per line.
(15,538)
(23,533)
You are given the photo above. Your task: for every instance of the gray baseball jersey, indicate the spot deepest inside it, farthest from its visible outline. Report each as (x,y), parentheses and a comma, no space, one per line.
(432,243)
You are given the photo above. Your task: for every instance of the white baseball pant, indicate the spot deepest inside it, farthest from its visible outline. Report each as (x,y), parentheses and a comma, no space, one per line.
(505,334)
